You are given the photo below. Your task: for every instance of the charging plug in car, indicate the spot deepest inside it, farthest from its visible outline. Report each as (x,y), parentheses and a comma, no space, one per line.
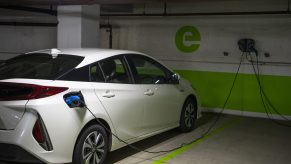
(74,99)
(247,45)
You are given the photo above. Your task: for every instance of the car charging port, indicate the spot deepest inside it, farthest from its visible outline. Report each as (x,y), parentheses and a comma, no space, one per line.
(74,99)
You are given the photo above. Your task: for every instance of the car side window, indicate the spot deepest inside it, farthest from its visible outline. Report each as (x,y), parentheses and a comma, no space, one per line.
(78,74)
(148,71)
(114,70)
(96,74)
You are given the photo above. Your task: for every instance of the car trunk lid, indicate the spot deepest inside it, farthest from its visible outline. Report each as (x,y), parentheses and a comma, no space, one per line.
(15,95)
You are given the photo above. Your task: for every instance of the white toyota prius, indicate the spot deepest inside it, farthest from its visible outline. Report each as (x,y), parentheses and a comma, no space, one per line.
(76,105)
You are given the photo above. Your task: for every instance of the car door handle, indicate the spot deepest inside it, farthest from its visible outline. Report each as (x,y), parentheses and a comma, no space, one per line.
(108,94)
(149,92)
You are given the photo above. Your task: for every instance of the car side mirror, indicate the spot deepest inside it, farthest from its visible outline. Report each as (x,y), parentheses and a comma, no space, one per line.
(175,78)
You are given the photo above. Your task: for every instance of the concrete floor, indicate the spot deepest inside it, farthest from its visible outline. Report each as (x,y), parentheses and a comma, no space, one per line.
(234,140)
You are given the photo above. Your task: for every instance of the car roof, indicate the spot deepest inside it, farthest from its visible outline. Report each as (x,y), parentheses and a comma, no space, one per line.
(90,55)
(85,52)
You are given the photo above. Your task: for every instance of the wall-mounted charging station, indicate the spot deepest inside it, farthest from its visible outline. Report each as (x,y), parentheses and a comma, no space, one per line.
(247,45)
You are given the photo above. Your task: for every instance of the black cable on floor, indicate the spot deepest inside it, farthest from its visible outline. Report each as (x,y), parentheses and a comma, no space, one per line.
(227,98)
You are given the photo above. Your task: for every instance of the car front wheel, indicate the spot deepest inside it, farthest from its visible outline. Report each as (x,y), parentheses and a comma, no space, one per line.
(92,146)
(188,115)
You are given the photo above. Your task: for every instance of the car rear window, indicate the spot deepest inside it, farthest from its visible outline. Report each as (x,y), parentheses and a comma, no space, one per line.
(38,66)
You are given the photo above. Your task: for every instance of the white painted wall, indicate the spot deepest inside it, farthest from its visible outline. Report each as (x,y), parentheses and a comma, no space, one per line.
(156,36)
(218,34)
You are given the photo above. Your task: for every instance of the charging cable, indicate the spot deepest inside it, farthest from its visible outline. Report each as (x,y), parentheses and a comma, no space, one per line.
(264,98)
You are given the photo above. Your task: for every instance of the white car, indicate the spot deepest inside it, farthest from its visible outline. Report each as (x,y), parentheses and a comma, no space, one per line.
(131,94)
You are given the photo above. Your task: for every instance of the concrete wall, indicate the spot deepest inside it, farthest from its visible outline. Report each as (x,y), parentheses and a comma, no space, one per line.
(78,26)
(20,39)
(207,68)
(15,39)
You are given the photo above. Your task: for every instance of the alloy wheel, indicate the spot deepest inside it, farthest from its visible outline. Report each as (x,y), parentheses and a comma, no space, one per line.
(93,148)
(189,115)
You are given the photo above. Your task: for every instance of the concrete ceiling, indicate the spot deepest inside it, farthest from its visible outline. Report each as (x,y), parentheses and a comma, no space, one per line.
(84,2)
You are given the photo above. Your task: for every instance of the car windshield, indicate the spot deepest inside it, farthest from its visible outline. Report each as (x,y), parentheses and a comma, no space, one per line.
(38,66)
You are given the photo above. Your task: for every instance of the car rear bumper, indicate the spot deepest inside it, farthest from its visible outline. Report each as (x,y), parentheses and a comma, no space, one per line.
(18,145)
(14,153)
(11,113)
(22,137)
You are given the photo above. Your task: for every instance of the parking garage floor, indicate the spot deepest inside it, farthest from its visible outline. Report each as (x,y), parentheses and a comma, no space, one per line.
(234,140)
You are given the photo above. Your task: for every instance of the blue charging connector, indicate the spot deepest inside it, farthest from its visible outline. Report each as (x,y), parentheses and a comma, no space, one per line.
(74,99)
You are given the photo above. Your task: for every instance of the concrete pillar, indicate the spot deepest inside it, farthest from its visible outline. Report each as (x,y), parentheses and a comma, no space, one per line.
(78,26)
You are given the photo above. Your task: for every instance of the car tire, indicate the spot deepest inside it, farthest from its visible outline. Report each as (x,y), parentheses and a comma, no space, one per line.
(188,115)
(92,146)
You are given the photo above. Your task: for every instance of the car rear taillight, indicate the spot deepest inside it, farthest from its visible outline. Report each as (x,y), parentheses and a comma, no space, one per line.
(40,134)
(18,91)
(37,134)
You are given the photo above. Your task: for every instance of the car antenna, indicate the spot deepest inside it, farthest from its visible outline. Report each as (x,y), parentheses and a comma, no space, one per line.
(55,52)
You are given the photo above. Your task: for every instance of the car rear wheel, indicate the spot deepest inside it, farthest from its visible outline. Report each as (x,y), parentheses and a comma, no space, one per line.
(188,115)
(92,146)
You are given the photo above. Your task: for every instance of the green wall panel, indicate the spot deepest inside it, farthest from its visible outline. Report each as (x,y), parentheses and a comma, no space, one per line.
(213,88)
